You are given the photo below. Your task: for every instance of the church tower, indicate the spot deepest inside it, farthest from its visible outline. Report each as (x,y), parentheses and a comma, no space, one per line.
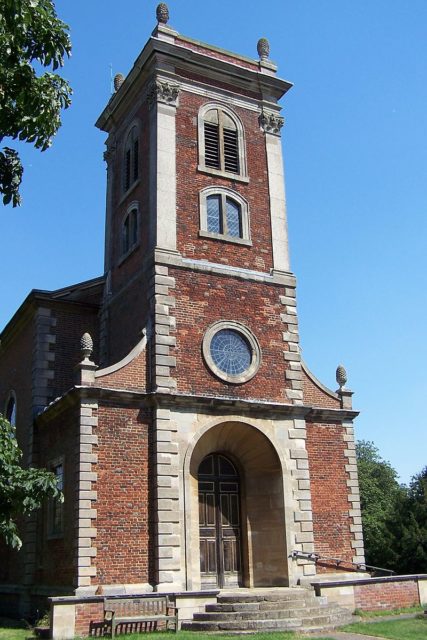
(197,269)
(195,449)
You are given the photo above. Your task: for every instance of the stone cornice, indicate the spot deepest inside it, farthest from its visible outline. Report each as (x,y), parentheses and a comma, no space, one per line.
(223,405)
(318,414)
(160,57)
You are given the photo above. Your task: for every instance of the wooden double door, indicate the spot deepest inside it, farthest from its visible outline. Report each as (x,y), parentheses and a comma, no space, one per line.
(219,522)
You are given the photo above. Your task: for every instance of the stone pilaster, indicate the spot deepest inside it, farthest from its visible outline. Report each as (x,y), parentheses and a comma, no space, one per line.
(86,477)
(353,493)
(166,507)
(272,123)
(43,361)
(162,98)
(300,479)
(293,373)
(163,338)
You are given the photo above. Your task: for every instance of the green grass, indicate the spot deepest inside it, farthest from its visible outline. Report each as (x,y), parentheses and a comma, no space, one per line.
(389,612)
(409,629)
(193,635)
(13,630)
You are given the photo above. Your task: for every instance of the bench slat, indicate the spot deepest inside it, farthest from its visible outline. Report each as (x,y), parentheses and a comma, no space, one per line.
(119,611)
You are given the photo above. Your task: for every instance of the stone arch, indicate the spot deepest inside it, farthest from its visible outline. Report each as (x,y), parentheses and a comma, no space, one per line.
(261,467)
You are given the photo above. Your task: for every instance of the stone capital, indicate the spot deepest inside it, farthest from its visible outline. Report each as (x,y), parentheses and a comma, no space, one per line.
(271,122)
(163,91)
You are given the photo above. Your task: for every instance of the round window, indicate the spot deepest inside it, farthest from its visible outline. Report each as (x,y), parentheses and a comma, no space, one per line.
(231,351)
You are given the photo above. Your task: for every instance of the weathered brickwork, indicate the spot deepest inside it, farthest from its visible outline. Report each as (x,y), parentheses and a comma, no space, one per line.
(316,396)
(331,517)
(386,595)
(204,299)
(122,496)
(217,53)
(71,324)
(190,182)
(131,376)
(133,419)
(57,441)
(89,619)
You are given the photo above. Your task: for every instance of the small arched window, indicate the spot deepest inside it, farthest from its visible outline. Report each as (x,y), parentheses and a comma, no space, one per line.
(11,410)
(131,159)
(221,142)
(224,215)
(130,230)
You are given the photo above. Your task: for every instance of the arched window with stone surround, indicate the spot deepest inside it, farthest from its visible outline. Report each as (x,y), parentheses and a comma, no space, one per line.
(224,215)
(131,159)
(10,412)
(130,230)
(221,142)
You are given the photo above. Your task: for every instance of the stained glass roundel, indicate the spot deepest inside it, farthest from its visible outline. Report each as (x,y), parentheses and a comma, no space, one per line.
(231,351)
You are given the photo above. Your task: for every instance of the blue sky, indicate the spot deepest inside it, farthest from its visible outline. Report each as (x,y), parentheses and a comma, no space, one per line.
(355,148)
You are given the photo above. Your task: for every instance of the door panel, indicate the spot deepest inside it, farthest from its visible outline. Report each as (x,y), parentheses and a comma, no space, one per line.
(219,522)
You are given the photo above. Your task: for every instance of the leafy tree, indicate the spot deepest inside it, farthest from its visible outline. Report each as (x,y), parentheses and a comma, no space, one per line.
(409,527)
(21,490)
(379,494)
(30,104)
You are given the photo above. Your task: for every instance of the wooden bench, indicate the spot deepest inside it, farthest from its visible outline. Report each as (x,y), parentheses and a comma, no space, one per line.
(131,611)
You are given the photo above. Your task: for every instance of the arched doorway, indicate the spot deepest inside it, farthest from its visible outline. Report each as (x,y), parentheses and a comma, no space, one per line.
(263,521)
(219,522)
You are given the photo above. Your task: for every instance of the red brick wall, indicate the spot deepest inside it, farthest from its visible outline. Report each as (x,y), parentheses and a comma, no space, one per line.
(219,55)
(314,395)
(131,376)
(190,182)
(56,556)
(71,323)
(204,299)
(89,619)
(128,310)
(15,374)
(329,492)
(127,317)
(123,496)
(386,595)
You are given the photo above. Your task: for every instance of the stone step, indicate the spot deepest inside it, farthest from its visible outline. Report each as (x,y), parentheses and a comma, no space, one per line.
(287,610)
(317,621)
(259,606)
(260,614)
(274,596)
(243,625)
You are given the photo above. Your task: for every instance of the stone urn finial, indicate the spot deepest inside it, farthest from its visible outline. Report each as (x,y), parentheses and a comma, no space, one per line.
(86,345)
(263,48)
(341,376)
(162,13)
(118,81)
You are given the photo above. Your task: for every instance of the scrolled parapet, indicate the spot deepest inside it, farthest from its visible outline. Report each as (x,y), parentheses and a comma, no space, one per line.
(163,91)
(271,122)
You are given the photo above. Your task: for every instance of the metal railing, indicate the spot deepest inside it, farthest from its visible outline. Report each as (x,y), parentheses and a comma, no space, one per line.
(355,566)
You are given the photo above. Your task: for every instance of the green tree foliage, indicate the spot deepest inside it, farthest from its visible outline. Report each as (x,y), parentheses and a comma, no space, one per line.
(31,36)
(379,493)
(409,527)
(21,490)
